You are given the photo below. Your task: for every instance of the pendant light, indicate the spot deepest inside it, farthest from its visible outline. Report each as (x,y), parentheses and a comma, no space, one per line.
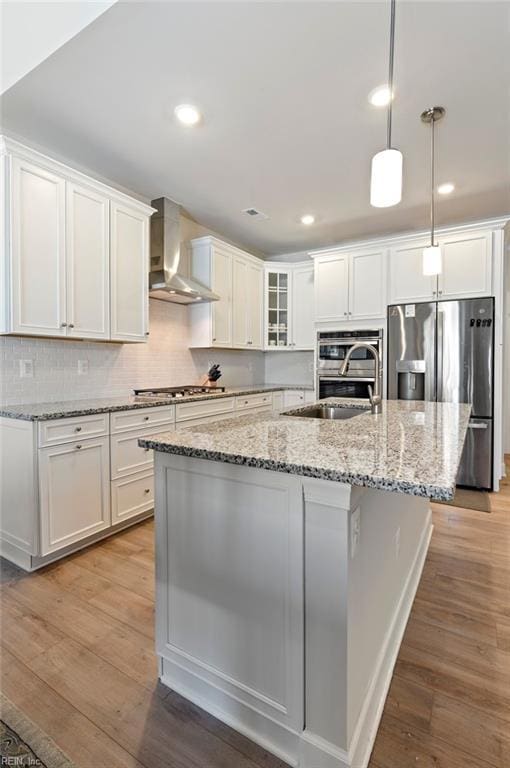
(386,178)
(432,260)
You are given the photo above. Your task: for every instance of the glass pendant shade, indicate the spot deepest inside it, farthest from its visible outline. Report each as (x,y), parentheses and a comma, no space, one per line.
(386,181)
(432,260)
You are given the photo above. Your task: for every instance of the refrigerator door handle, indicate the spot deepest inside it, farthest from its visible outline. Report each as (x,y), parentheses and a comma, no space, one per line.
(439,364)
(477,425)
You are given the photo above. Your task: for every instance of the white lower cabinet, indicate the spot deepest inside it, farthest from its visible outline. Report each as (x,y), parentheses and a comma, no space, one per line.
(74,492)
(297,397)
(132,495)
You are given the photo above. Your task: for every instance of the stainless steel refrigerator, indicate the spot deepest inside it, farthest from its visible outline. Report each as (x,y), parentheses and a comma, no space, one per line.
(444,351)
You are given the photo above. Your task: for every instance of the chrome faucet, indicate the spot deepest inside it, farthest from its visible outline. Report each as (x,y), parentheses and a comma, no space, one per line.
(375,394)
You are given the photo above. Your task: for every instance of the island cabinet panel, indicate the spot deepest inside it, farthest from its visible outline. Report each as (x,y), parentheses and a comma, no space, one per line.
(37,250)
(230,608)
(74,492)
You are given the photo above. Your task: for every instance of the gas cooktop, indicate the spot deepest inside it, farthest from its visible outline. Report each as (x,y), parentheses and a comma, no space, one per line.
(173,393)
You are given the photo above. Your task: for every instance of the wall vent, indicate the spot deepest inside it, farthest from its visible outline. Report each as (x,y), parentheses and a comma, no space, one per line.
(254,213)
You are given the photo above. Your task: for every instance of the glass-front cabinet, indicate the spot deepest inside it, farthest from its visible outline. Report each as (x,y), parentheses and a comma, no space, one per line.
(289,307)
(278,308)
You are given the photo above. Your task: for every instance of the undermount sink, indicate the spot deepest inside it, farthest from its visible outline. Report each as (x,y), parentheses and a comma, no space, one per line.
(328,412)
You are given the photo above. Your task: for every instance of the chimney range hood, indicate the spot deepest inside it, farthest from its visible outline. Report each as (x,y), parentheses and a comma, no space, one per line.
(166,280)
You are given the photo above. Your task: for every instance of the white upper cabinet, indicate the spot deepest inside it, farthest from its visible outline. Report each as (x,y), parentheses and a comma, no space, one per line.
(467,269)
(350,286)
(235,321)
(331,288)
(367,285)
(302,304)
(75,253)
(129,268)
(466,266)
(88,268)
(37,257)
(222,280)
(407,281)
(289,303)
(255,304)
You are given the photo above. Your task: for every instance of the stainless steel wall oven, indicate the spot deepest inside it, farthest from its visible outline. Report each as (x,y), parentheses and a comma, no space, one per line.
(332,347)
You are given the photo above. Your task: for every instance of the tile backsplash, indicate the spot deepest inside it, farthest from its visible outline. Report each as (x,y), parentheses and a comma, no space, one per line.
(114,369)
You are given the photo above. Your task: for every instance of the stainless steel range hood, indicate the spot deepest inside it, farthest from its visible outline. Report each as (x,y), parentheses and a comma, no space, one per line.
(167,278)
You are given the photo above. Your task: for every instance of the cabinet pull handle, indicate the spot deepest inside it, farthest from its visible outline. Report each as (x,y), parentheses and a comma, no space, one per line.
(77,429)
(78,447)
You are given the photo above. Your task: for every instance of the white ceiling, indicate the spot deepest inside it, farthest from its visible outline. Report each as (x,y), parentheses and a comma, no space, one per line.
(287,125)
(31,31)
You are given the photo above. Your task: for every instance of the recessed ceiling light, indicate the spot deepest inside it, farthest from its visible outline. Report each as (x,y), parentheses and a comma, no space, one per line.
(307,219)
(380,96)
(187,114)
(445,189)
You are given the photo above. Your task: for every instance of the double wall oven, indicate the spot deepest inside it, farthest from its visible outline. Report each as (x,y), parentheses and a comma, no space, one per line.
(332,347)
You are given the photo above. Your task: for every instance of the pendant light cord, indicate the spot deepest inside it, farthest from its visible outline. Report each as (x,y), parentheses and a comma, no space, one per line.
(390,73)
(432,181)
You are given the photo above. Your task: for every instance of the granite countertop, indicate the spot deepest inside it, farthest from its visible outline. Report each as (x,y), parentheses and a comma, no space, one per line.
(412,447)
(68,408)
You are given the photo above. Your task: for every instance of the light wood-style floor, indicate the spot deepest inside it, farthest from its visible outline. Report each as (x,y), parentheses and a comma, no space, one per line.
(77,658)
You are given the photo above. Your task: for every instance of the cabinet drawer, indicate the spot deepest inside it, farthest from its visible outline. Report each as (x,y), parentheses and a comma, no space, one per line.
(126,455)
(132,495)
(186,411)
(123,421)
(259,400)
(59,431)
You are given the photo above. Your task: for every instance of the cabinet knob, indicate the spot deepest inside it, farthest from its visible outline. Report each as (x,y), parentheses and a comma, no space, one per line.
(345,313)
(440,293)
(146,418)
(146,450)
(146,333)
(71,325)
(77,429)
(147,490)
(214,339)
(78,447)
(63,325)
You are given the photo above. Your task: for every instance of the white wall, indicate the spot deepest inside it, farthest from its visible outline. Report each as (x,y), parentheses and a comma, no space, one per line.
(114,369)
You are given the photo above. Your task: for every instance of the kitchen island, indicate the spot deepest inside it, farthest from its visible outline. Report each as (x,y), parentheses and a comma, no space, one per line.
(288,553)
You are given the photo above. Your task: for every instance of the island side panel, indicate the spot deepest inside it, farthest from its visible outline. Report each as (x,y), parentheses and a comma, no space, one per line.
(229,596)
(364,552)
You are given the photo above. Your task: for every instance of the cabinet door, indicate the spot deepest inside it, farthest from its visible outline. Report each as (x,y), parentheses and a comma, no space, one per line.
(293,397)
(88,267)
(303,310)
(74,488)
(222,309)
(38,251)
(331,288)
(278,308)
(407,281)
(129,268)
(367,285)
(255,305)
(466,266)
(240,310)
